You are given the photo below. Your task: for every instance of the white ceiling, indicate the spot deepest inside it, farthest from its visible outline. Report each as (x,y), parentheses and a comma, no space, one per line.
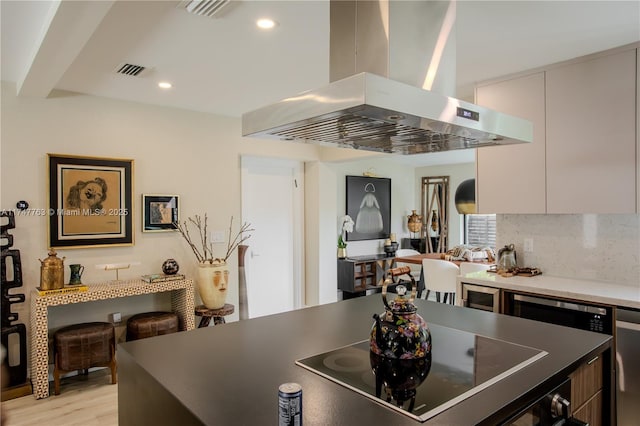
(225,65)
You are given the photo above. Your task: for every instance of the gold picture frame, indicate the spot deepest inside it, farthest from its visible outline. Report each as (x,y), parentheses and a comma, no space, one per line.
(90,201)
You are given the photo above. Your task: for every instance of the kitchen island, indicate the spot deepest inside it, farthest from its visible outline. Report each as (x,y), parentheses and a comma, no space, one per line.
(230,374)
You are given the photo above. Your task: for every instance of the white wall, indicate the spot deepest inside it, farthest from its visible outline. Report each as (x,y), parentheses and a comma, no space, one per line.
(320,213)
(402,198)
(194,155)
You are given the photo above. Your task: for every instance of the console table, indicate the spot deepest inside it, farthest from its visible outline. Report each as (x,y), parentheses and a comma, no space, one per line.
(360,273)
(182,303)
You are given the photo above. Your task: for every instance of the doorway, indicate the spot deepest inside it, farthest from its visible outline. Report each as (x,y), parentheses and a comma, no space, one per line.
(273,202)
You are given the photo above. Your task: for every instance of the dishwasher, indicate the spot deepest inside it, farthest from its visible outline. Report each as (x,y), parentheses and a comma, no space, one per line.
(628,366)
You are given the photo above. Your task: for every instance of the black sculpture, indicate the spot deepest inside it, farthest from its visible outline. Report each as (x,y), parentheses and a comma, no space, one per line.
(18,371)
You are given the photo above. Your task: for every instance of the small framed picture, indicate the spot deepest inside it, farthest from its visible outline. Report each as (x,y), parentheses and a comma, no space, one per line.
(159,212)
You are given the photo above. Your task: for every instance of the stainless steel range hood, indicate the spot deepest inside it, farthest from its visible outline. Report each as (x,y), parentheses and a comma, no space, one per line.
(381,51)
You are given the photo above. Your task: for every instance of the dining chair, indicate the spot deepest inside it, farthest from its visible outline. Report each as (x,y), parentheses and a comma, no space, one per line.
(416,268)
(440,276)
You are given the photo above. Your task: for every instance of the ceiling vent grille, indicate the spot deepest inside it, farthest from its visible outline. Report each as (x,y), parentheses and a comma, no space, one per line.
(207,8)
(130,69)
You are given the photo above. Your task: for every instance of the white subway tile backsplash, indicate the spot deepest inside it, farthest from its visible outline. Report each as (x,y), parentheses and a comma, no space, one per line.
(587,246)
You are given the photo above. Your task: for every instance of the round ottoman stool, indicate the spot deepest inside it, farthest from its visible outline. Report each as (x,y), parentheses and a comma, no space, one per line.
(150,324)
(82,346)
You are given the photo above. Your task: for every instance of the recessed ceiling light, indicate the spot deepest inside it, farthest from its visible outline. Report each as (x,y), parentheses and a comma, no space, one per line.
(265,23)
(164,85)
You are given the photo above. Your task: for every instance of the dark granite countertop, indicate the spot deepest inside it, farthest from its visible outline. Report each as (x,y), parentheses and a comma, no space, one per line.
(229,374)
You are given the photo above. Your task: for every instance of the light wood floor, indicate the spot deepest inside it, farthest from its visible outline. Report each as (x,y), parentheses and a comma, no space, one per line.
(83,401)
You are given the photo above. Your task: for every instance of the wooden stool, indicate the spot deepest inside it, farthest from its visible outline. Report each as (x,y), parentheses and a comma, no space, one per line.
(149,324)
(217,314)
(81,346)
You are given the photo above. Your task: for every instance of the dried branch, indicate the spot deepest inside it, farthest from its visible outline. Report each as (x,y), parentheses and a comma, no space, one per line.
(238,239)
(202,231)
(184,230)
(206,255)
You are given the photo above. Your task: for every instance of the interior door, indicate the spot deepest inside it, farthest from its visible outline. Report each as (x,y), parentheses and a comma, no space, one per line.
(272,201)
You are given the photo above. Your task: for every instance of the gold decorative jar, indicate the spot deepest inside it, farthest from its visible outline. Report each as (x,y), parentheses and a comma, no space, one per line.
(52,272)
(414,222)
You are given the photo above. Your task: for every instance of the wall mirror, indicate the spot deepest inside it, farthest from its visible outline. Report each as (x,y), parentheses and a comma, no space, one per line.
(435,213)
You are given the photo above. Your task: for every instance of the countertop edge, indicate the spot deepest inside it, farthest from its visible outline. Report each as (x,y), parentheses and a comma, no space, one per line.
(602,292)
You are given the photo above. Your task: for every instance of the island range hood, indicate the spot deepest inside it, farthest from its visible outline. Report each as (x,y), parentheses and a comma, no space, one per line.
(382,54)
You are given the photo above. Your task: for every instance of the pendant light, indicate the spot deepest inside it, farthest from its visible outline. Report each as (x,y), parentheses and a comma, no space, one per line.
(466,197)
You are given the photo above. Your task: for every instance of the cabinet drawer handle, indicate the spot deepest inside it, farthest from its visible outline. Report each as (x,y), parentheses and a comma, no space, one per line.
(593,360)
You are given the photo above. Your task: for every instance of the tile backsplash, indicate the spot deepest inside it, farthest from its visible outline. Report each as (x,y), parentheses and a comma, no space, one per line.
(586,246)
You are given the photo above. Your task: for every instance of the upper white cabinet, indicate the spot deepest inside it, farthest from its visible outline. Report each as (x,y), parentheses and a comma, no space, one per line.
(591,135)
(511,178)
(586,153)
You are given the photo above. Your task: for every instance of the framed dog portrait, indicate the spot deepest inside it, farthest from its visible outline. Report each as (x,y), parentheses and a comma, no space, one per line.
(160,212)
(369,205)
(90,201)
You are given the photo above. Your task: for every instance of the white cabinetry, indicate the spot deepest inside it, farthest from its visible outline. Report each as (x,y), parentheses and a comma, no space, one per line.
(585,154)
(591,135)
(511,178)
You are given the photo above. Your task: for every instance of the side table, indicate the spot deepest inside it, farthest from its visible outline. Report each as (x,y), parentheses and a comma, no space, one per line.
(217,314)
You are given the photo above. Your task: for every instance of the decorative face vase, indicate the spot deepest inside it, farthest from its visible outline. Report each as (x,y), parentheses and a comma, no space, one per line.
(220,280)
(213,280)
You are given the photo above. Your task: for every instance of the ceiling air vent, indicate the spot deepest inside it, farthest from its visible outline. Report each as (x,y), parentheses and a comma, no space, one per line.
(130,69)
(207,8)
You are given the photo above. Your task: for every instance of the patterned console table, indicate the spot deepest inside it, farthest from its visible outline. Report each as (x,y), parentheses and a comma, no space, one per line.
(182,303)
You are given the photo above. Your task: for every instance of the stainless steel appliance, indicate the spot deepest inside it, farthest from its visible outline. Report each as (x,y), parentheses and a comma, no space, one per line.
(552,409)
(379,69)
(481,297)
(584,316)
(628,366)
(462,364)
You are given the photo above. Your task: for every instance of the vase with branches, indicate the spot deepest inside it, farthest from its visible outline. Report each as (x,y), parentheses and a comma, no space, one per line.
(213,273)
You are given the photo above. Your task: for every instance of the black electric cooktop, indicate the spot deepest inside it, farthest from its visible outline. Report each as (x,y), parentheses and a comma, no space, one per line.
(461,364)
